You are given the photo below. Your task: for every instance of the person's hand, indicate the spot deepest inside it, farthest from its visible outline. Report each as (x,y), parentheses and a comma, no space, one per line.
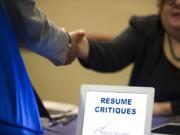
(162,108)
(76,37)
(83,49)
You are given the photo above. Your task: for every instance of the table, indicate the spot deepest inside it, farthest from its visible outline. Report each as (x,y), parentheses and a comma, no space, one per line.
(60,129)
(70,128)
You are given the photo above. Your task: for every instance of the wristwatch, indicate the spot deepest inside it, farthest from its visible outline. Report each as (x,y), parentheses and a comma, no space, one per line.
(69,40)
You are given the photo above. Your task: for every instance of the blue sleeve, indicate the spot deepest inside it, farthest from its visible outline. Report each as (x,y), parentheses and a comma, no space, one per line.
(42,35)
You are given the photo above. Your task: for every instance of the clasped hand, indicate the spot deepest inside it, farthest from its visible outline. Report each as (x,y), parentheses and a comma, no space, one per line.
(79,48)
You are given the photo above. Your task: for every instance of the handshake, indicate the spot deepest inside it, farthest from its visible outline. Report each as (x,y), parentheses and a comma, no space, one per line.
(79,46)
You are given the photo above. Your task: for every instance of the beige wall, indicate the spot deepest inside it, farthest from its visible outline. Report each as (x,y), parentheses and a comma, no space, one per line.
(107,17)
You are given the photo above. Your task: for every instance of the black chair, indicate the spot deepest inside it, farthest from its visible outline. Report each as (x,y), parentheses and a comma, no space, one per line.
(42,110)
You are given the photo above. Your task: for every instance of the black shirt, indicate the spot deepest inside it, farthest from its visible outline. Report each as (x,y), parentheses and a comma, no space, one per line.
(142,44)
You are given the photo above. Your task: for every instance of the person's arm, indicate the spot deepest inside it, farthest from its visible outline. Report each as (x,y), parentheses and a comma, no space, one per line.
(167,108)
(162,108)
(40,34)
(112,55)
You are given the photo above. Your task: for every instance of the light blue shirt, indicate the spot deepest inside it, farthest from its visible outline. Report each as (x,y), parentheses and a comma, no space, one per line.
(42,36)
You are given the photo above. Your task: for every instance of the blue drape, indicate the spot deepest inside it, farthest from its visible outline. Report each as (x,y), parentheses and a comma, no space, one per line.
(18,109)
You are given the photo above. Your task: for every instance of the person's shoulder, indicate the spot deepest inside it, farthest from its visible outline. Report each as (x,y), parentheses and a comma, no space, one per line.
(147,24)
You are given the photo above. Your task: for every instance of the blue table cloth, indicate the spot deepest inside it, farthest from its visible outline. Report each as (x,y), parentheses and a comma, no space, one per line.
(18,109)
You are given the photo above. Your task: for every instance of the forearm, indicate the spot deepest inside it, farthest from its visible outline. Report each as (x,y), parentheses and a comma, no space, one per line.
(162,108)
(41,35)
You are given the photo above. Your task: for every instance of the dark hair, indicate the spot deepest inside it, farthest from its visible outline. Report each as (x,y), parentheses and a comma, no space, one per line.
(160,4)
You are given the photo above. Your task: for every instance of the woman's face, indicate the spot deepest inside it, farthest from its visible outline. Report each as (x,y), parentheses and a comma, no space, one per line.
(170,15)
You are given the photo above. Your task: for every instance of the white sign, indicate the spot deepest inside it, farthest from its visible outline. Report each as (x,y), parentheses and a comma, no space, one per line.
(110,113)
